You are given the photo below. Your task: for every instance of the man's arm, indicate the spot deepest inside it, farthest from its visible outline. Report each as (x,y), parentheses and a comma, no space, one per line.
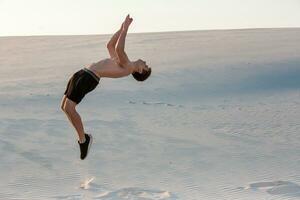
(120,48)
(111,45)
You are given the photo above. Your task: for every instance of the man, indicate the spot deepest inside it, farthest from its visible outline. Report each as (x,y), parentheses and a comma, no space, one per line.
(87,79)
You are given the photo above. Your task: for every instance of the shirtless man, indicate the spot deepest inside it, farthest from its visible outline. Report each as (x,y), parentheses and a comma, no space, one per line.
(87,79)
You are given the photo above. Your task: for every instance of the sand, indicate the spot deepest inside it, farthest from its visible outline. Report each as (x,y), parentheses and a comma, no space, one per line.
(218,119)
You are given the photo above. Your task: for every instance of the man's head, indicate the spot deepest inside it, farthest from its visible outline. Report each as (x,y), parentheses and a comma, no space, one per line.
(141,70)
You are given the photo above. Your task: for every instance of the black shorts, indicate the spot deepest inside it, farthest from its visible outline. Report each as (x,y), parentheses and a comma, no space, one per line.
(81,83)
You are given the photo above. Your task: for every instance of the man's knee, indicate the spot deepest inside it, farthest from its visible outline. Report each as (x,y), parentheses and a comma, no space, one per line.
(62,106)
(68,107)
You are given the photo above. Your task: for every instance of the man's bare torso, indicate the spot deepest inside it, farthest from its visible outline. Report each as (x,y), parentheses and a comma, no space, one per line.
(108,68)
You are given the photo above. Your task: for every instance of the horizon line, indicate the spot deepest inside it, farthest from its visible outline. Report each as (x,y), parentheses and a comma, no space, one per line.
(149,32)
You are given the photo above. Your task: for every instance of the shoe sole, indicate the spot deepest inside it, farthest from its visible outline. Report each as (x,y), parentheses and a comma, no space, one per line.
(90,145)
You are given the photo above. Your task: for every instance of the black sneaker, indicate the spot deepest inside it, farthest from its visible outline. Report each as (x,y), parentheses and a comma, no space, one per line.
(84,147)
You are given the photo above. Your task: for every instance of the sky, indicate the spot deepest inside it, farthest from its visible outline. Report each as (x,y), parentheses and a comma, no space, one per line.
(81,17)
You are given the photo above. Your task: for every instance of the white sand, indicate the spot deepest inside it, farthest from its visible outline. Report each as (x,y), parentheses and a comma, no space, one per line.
(219,118)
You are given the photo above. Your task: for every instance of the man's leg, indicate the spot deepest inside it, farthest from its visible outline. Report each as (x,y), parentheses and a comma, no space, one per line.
(74,117)
(63,107)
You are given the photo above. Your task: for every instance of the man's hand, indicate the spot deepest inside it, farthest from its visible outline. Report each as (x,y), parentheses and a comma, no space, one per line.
(111,45)
(127,22)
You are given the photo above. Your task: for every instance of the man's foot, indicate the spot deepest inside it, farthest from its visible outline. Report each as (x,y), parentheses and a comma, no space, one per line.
(84,147)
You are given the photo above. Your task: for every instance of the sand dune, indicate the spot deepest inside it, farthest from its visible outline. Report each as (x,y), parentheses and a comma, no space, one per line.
(219,118)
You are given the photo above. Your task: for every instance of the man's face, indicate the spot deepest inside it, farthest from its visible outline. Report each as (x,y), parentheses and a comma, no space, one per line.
(142,64)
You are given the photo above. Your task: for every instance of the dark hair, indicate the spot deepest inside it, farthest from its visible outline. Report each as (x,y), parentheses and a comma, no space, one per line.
(143,76)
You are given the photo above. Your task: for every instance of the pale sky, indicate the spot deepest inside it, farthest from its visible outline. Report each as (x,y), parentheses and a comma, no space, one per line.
(77,17)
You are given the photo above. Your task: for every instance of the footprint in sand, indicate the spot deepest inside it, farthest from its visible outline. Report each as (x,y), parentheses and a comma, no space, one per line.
(155,104)
(86,184)
(284,188)
(132,193)
(136,194)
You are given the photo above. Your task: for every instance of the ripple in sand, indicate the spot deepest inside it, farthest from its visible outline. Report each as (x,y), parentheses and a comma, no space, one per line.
(69,197)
